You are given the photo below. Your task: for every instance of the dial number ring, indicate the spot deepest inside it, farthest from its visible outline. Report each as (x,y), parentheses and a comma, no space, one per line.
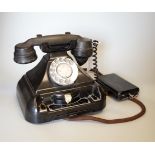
(63,71)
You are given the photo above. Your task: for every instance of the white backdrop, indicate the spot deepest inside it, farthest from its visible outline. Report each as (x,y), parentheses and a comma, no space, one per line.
(127,47)
(127,40)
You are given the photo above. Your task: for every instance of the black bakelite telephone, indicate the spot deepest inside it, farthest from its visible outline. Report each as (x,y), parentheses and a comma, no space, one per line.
(59,88)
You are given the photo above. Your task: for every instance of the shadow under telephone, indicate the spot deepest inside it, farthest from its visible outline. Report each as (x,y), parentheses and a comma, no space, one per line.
(58,87)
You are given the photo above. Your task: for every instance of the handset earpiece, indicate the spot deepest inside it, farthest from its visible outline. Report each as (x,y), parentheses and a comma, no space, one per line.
(83,50)
(25,54)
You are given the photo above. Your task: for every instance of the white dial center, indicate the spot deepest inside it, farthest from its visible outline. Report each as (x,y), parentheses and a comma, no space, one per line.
(64,70)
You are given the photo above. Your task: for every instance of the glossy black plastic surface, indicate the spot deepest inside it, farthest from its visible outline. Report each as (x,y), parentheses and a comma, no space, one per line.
(117,87)
(81,47)
(41,100)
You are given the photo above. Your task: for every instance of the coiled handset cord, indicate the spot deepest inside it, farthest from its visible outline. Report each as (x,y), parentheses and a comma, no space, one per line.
(94,59)
(102,120)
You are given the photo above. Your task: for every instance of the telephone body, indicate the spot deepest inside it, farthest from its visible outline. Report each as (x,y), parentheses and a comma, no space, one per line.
(57,87)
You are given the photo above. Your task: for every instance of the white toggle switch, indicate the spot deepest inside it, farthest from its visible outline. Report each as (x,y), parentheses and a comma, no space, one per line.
(68,98)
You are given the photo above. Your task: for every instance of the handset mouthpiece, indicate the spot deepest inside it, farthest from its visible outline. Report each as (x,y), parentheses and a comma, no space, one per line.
(83,50)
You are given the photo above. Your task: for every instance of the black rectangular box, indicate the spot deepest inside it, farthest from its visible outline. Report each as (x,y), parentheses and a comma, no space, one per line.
(117,87)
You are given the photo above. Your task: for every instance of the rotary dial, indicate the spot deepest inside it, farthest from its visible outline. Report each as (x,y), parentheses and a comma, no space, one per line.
(63,71)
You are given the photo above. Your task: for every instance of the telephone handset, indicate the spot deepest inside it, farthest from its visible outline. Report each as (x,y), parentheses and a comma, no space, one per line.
(57,87)
(81,47)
